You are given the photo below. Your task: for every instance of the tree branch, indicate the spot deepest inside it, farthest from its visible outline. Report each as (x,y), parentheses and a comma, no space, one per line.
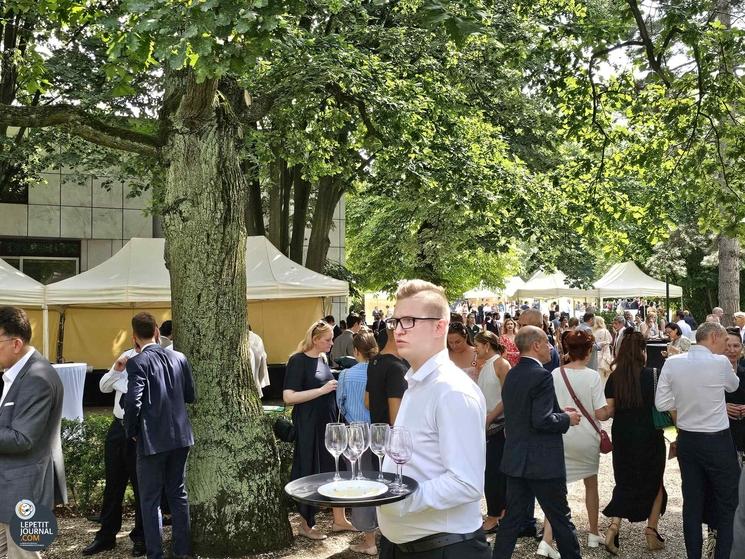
(344,97)
(81,124)
(654,62)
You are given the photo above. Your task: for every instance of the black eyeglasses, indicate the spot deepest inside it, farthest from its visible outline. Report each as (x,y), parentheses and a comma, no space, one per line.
(407,322)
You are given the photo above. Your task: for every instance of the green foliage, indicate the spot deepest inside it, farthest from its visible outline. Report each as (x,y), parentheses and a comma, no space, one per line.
(83,449)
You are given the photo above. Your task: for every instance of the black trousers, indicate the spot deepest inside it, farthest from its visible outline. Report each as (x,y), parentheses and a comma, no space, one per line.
(708,460)
(552,496)
(476,548)
(120,458)
(165,470)
(495,482)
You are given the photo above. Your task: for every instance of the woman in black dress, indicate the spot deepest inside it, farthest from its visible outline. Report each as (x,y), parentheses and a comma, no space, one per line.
(310,389)
(638,447)
(736,400)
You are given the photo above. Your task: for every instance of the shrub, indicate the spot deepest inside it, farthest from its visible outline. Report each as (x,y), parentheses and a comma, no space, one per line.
(83,448)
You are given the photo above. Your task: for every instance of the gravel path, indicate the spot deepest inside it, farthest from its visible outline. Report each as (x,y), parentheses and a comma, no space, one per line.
(76,533)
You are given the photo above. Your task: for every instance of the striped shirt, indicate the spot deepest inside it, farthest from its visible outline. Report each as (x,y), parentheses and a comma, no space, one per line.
(350,393)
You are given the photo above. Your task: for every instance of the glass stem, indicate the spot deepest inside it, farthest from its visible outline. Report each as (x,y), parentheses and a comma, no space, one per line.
(337,477)
(354,463)
(380,469)
(400,472)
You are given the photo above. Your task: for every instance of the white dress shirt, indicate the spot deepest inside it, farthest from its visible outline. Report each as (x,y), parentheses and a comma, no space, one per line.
(116,381)
(12,372)
(446,414)
(694,383)
(685,328)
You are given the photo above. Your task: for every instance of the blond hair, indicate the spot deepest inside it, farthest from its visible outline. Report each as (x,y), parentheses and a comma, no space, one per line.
(433,296)
(599,323)
(318,329)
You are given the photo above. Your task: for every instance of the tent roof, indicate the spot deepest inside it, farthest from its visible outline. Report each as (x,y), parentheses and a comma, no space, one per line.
(545,286)
(511,285)
(138,274)
(16,288)
(627,280)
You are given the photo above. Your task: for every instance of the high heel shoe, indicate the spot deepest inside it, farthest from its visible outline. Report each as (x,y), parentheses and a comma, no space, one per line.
(654,540)
(612,539)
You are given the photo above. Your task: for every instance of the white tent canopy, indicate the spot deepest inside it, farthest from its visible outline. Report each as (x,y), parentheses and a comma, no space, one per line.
(627,280)
(137,274)
(511,285)
(480,292)
(550,286)
(17,289)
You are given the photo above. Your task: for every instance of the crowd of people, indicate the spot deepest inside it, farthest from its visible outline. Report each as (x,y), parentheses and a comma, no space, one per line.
(510,407)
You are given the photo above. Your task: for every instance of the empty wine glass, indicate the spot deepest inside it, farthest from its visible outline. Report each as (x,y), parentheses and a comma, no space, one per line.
(378,433)
(399,448)
(336,443)
(366,435)
(355,445)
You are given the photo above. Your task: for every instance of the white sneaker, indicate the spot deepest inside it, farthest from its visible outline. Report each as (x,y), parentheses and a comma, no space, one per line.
(593,540)
(545,550)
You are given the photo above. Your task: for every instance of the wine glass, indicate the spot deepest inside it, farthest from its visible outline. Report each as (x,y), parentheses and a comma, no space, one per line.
(336,443)
(355,446)
(378,433)
(366,434)
(399,448)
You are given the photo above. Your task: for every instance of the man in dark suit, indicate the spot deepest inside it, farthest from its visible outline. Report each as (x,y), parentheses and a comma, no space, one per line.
(534,451)
(31,465)
(159,385)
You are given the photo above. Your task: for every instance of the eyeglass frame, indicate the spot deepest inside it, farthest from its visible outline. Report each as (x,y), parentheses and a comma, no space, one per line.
(10,339)
(397,321)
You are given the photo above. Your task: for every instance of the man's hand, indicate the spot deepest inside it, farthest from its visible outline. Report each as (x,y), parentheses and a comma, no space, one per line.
(734,411)
(121,363)
(574,416)
(330,386)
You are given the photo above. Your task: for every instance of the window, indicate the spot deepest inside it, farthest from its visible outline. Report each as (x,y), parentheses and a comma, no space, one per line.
(46,261)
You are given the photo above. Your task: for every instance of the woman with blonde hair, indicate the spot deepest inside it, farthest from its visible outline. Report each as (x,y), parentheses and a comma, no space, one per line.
(605,340)
(309,388)
(649,328)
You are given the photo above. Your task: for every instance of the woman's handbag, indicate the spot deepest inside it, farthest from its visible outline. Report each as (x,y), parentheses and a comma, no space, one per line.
(606,445)
(661,419)
(284,430)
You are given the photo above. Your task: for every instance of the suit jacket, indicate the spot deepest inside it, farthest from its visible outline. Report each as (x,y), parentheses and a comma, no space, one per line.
(534,423)
(159,385)
(31,463)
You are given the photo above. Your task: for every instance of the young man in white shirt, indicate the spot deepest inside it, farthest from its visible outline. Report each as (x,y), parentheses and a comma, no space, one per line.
(693,384)
(446,416)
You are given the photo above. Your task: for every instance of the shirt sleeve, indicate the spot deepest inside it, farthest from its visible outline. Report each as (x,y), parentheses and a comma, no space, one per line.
(115,380)
(462,448)
(664,399)
(294,374)
(598,397)
(731,380)
(609,389)
(341,397)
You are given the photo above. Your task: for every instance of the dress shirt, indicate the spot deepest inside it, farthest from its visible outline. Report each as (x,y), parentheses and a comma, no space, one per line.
(445,415)
(693,383)
(350,393)
(12,372)
(116,381)
(685,329)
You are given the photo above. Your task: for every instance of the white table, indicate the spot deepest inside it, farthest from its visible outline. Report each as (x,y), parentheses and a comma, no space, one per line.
(73,379)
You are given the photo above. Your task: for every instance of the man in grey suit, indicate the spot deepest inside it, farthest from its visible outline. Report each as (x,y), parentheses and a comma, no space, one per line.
(30,420)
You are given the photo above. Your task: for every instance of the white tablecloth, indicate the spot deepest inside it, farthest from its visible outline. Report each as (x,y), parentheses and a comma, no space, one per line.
(73,379)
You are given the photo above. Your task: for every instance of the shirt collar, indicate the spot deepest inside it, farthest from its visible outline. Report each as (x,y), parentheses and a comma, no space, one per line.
(147,345)
(700,349)
(12,372)
(430,365)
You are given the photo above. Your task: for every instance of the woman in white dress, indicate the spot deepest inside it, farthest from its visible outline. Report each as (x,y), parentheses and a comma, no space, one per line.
(604,338)
(491,379)
(582,442)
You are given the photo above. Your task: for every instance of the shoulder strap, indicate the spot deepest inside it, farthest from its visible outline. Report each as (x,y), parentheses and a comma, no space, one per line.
(577,401)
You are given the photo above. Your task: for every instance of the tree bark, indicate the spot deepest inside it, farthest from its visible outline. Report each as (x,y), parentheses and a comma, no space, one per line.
(300,202)
(234,484)
(330,191)
(729,277)
(284,216)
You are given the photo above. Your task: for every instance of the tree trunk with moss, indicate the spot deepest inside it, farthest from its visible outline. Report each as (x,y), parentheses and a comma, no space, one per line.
(233,472)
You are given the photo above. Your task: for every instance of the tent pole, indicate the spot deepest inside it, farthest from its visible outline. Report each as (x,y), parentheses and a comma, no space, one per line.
(45,328)
(667,298)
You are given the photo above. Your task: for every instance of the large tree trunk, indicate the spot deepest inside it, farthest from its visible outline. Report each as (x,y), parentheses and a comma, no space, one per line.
(300,201)
(330,191)
(729,277)
(233,475)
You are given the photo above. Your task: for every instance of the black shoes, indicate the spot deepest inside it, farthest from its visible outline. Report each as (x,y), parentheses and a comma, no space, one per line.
(138,549)
(98,546)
